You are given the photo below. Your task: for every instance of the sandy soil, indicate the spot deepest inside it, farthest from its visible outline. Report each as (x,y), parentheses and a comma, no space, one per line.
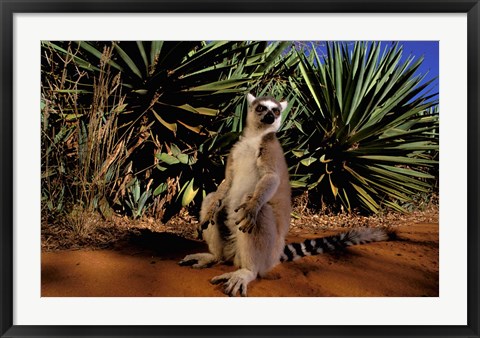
(147,266)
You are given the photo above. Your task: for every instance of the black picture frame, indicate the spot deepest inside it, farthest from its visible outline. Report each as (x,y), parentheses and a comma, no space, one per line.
(10,7)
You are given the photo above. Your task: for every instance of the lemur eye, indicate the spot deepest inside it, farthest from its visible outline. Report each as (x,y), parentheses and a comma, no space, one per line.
(260,108)
(276,111)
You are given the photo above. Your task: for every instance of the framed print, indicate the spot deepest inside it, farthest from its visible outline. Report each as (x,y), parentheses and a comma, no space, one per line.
(242,138)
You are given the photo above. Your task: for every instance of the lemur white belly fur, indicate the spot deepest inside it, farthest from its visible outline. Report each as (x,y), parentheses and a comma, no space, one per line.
(244,154)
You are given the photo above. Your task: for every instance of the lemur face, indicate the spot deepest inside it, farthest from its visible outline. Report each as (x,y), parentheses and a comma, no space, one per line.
(265,112)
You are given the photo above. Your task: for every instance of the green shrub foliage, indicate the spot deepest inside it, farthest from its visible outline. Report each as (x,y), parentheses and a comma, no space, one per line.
(144,127)
(367,131)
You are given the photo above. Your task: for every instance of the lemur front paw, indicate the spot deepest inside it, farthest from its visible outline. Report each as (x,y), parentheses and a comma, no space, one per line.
(248,220)
(211,214)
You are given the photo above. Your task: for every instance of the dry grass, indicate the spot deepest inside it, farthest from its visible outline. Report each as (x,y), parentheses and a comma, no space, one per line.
(310,221)
(86,229)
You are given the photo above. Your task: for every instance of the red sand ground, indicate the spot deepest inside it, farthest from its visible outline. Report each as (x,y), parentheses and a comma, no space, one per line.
(147,266)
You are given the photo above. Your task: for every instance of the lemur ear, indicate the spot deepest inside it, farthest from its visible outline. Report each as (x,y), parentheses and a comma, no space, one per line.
(284,105)
(250,99)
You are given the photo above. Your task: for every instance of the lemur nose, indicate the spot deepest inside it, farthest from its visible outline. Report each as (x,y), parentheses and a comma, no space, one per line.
(269,118)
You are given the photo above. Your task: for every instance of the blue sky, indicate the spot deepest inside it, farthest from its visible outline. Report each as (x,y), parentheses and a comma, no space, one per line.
(430,64)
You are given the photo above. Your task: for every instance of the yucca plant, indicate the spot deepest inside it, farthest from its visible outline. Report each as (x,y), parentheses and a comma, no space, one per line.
(137,199)
(180,98)
(366,128)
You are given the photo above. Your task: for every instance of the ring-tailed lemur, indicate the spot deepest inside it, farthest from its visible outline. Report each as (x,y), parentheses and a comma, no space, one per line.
(247,218)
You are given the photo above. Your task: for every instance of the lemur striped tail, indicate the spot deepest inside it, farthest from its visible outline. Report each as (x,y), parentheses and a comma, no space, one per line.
(318,246)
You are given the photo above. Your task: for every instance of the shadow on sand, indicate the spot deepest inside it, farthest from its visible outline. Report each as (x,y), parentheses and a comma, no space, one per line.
(161,244)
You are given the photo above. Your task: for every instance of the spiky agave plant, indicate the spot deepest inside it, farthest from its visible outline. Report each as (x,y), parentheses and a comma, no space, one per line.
(367,128)
(174,93)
